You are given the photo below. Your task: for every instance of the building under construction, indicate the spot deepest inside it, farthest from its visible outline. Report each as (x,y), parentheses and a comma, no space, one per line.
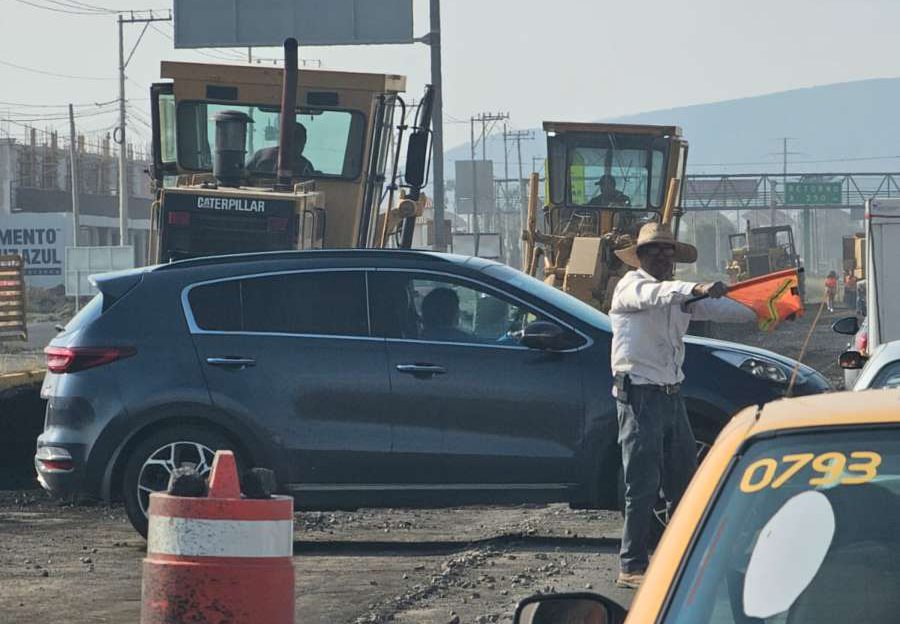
(36,218)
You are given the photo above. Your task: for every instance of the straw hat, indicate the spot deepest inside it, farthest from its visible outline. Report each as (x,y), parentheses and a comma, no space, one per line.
(660,234)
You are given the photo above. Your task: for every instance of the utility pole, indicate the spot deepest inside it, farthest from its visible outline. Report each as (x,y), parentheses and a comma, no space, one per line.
(123,147)
(518,136)
(437,124)
(119,136)
(73,168)
(484,118)
(506,170)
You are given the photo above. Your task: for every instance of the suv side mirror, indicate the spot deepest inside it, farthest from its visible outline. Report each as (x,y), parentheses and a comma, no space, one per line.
(851,360)
(848,325)
(570,607)
(544,335)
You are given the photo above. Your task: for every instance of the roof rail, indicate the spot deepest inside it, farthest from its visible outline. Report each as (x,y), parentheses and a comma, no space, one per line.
(296,254)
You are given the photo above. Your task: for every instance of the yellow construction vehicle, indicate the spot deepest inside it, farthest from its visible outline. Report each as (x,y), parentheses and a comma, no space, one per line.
(604,181)
(854,255)
(252,158)
(762,250)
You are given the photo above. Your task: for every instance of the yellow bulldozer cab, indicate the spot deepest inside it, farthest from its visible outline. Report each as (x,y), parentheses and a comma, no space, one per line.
(342,146)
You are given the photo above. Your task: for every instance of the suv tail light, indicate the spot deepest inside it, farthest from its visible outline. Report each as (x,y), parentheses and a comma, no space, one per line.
(74,359)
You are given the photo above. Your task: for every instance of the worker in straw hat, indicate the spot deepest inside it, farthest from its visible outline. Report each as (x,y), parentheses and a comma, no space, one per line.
(650,316)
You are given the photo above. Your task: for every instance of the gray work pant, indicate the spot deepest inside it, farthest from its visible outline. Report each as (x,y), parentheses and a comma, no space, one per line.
(658,451)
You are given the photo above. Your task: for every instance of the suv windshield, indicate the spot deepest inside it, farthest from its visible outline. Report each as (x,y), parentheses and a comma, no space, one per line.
(804,531)
(327,143)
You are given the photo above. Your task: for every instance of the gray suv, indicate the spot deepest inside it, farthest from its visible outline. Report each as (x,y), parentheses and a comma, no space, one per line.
(362,378)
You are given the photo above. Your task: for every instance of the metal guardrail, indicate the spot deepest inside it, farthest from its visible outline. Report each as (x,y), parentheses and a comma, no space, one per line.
(762,191)
(12,299)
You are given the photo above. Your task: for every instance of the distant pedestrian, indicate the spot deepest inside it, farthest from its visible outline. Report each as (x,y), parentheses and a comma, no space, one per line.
(649,319)
(850,290)
(830,290)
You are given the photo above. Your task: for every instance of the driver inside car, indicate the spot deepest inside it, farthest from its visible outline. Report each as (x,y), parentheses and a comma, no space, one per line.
(440,317)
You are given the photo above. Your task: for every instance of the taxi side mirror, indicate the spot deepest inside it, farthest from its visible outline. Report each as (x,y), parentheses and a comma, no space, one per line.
(848,325)
(569,607)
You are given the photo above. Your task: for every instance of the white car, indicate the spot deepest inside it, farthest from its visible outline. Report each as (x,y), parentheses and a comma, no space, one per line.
(882,370)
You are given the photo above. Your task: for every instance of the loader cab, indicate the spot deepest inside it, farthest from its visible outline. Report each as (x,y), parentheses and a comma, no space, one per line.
(605,176)
(342,140)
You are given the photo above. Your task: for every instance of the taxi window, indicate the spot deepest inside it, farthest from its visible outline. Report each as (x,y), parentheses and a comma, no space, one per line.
(804,530)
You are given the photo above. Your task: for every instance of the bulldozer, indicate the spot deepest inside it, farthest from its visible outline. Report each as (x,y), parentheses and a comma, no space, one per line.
(603,182)
(250,158)
(761,250)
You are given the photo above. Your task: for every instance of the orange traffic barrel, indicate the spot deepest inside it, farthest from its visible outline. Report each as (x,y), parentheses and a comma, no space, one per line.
(219,558)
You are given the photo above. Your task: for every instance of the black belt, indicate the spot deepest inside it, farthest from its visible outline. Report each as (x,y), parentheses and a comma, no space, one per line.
(669,389)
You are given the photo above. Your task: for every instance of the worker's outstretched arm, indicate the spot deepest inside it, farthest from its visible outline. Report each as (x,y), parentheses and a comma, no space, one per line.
(636,292)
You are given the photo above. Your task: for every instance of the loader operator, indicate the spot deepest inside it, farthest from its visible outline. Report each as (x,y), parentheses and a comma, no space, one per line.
(266,159)
(649,318)
(610,196)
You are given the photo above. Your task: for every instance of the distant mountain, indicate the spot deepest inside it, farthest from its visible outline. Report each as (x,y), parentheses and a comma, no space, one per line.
(851,120)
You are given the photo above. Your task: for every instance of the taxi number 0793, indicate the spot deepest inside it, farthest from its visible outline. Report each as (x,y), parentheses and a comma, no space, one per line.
(834,468)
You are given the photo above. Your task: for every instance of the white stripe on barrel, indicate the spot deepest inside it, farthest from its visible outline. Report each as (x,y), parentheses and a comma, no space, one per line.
(192,537)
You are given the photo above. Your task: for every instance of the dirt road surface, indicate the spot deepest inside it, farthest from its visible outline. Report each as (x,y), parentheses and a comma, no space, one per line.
(423,566)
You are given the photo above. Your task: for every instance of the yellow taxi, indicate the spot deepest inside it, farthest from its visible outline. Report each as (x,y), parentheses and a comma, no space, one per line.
(793,518)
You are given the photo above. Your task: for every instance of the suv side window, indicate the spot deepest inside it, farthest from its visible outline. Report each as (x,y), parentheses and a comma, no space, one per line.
(217,306)
(421,306)
(331,303)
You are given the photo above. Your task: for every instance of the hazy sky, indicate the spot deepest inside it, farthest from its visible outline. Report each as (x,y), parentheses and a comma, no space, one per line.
(565,59)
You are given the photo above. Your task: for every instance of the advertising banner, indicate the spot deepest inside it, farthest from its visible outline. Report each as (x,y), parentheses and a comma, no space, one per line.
(41,240)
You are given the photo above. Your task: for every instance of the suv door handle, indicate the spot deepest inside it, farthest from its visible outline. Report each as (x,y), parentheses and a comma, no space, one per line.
(421,370)
(231,361)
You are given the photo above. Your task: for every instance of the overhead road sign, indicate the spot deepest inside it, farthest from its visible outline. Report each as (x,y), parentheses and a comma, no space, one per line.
(253,23)
(812,193)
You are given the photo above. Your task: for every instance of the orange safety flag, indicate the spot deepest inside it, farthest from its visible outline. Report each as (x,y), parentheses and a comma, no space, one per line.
(774,297)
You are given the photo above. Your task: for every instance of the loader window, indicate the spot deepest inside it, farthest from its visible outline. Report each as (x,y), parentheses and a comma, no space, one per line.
(606,170)
(333,140)
(614,178)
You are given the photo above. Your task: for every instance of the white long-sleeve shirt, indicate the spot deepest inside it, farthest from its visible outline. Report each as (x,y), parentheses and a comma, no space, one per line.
(649,322)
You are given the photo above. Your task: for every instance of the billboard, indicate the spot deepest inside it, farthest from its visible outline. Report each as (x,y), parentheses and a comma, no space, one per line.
(243,23)
(41,240)
(484,173)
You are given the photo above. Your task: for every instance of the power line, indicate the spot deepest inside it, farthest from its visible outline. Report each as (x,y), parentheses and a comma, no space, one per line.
(59,117)
(57,10)
(83,105)
(54,74)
